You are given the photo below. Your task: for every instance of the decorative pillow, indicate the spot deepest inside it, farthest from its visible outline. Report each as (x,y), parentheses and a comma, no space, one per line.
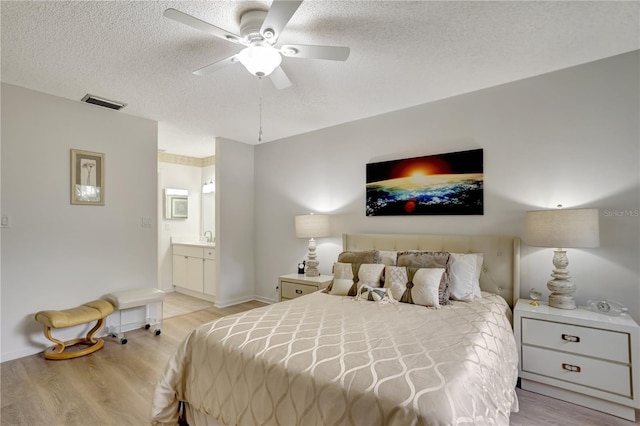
(476,281)
(342,279)
(395,279)
(359,256)
(429,259)
(419,286)
(370,274)
(348,277)
(375,294)
(388,257)
(464,275)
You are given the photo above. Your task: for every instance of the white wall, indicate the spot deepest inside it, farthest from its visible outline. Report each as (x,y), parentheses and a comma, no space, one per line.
(570,137)
(235,243)
(56,255)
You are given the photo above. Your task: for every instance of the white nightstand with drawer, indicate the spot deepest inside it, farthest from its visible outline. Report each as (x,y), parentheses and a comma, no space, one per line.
(296,285)
(579,356)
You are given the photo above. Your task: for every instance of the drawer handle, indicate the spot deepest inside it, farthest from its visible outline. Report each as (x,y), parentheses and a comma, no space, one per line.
(572,368)
(570,338)
(298,291)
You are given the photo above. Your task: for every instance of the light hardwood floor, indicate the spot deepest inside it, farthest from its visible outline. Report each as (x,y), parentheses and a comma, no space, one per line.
(115,385)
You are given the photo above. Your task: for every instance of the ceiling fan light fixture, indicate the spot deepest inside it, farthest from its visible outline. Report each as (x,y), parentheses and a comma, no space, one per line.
(260,59)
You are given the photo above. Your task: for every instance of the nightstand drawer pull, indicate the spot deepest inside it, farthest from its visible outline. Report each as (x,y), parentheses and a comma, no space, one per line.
(298,291)
(570,338)
(569,367)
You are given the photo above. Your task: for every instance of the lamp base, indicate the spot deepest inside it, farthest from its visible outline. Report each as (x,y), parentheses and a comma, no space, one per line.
(560,286)
(312,263)
(562,301)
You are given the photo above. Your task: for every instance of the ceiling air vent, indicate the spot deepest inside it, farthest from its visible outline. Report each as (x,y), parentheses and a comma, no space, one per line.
(96,100)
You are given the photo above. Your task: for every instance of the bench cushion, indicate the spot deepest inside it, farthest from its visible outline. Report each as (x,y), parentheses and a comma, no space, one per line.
(90,311)
(137,297)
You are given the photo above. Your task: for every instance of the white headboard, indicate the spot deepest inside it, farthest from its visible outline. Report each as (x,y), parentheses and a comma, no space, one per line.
(501,268)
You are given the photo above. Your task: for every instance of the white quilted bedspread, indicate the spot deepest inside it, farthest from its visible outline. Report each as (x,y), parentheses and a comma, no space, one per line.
(323,359)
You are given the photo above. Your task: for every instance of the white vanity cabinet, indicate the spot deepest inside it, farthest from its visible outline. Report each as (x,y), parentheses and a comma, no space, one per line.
(194,270)
(210,286)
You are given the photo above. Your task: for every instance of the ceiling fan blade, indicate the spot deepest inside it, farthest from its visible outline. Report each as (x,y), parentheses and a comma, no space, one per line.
(201,25)
(277,18)
(211,68)
(280,79)
(332,53)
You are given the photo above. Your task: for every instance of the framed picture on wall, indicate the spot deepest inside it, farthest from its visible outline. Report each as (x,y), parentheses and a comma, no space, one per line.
(179,207)
(87,178)
(444,184)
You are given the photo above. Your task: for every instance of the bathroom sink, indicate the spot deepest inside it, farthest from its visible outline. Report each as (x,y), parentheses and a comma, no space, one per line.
(197,244)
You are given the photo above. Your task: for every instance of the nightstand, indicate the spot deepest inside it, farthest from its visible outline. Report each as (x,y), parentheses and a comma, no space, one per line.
(579,356)
(296,285)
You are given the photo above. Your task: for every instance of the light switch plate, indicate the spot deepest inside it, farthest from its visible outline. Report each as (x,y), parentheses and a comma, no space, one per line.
(4,221)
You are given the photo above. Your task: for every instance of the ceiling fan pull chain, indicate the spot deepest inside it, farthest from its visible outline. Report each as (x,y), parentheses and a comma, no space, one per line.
(260,108)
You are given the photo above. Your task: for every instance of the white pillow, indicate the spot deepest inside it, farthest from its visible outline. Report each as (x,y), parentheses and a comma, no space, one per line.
(368,274)
(342,279)
(388,257)
(395,279)
(476,280)
(464,275)
(426,284)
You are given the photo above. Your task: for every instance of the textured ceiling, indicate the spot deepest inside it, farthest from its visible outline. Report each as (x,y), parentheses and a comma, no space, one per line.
(402,54)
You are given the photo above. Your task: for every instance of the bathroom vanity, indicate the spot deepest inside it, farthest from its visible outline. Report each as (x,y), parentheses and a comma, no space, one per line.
(194,270)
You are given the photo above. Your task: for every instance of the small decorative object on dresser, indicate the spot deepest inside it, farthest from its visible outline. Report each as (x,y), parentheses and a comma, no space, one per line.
(579,356)
(296,285)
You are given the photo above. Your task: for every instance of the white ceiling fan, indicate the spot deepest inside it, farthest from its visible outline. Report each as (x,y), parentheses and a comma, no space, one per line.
(259,32)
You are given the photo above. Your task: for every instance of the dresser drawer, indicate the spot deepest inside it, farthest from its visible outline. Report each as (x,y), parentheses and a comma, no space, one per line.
(592,342)
(594,373)
(292,290)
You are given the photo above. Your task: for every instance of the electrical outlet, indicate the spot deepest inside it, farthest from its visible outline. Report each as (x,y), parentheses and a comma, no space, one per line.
(5,222)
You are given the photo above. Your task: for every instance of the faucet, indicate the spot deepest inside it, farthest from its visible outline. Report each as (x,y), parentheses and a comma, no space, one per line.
(208,237)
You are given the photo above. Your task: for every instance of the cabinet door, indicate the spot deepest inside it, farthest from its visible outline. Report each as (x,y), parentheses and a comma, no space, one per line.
(194,274)
(210,278)
(180,270)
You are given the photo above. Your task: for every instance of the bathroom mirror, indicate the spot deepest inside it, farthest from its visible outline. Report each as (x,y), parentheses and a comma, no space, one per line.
(209,207)
(176,203)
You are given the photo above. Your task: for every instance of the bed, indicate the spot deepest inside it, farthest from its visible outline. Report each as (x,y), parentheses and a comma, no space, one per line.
(335,359)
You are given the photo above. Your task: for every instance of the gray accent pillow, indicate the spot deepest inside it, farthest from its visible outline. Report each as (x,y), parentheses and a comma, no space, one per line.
(359,256)
(429,259)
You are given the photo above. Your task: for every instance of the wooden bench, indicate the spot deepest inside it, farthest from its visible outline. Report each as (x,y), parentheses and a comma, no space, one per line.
(96,310)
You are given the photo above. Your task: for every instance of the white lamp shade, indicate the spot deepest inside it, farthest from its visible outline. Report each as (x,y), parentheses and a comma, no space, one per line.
(312,226)
(563,228)
(260,60)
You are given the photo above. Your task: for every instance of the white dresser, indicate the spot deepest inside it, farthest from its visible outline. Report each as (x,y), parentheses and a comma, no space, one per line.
(296,285)
(579,356)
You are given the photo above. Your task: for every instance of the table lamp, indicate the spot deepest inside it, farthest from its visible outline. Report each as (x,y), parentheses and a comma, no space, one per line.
(562,228)
(312,226)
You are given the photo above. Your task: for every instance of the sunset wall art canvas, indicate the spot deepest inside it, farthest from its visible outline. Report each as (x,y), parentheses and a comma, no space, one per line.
(444,184)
